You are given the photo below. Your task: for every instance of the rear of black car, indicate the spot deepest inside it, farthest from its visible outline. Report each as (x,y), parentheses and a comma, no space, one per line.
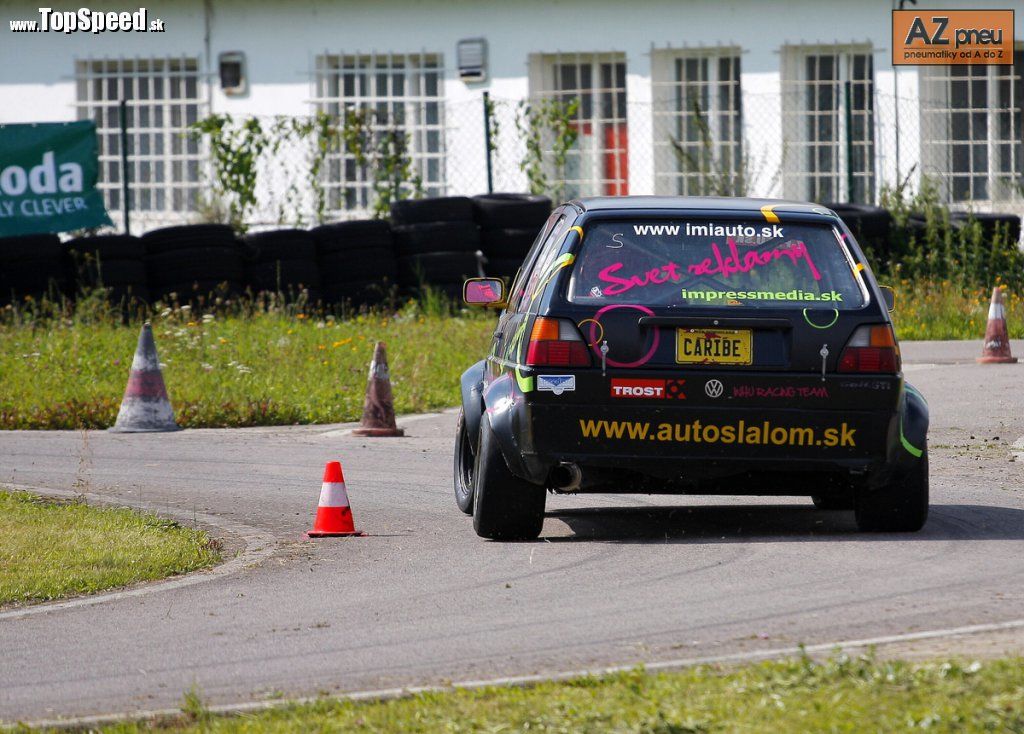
(719,351)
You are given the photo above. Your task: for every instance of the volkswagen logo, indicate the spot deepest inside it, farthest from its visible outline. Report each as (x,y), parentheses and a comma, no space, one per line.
(713,388)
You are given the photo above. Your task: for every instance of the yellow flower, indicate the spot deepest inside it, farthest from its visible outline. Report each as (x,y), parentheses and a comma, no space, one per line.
(289,332)
(300,316)
(222,340)
(321,346)
(341,343)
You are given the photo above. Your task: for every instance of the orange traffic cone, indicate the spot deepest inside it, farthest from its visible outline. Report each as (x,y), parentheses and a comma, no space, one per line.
(378,408)
(997,340)
(333,515)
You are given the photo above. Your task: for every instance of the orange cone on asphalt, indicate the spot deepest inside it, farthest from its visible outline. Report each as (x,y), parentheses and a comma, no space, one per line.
(379,407)
(333,514)
(145,407)
(997,340)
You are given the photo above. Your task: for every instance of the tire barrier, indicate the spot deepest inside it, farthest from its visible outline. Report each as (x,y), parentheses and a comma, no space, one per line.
(190,262)
(115,262)
(509,224)
(360,263)
(356,261)
(32,267)
(436,243)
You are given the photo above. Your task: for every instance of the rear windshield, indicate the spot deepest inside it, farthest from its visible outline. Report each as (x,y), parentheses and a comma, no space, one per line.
(714,263)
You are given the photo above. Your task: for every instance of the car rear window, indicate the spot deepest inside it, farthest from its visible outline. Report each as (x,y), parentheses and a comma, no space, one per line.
(714,262)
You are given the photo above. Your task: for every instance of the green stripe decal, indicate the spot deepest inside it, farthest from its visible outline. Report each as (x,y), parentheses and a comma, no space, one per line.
(525,383)
(911,449)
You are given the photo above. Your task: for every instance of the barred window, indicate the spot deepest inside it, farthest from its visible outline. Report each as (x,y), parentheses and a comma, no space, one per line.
(397,101)
(698,124)
(828,108)
(972,136)
(162,96)
(594,85)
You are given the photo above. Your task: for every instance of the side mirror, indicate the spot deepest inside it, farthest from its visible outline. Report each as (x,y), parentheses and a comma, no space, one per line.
(889,296)
(488,292)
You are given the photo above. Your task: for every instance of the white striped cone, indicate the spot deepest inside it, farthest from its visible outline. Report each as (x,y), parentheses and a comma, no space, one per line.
(333,513)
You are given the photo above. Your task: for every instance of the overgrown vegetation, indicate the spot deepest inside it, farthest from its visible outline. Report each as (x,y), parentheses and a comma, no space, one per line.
(256,362)
(843,694)
(924,245)
(242,150)
(548,128)
(50,549)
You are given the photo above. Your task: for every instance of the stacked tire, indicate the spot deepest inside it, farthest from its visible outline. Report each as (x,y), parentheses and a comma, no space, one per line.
(115,262)
(356,261)
(283,261)
(992,225)
(509,223)
(437,242)
(871,225)
(32,267)
(191,262)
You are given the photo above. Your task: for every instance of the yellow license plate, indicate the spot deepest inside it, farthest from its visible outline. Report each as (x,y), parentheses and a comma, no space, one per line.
(713,346)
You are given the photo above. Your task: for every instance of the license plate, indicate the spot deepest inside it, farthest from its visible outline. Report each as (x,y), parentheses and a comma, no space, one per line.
(718,346)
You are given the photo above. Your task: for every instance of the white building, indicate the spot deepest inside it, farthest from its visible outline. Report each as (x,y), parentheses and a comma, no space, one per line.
(796,99)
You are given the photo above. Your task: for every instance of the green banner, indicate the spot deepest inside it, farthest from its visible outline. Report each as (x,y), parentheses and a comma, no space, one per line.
(48,178)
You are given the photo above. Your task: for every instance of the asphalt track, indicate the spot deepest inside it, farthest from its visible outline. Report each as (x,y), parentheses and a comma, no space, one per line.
(422,600)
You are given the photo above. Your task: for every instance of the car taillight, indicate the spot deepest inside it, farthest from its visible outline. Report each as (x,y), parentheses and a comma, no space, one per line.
(871,349)
(556,343)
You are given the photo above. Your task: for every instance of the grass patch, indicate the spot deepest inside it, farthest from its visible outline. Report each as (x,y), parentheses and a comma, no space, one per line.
(254,366)
(840,695)
(267,368)
(50,549)
(942,310)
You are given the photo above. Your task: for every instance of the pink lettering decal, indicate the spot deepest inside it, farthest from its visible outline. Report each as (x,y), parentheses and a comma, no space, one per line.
(733,264)
(618,285)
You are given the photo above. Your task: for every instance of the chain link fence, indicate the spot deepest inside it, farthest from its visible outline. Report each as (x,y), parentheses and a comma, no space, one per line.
(843,145)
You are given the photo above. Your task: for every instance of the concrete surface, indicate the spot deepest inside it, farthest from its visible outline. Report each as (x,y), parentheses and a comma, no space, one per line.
(614,579)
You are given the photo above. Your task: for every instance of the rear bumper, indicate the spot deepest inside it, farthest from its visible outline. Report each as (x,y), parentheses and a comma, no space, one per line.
(703,443)
(696,444)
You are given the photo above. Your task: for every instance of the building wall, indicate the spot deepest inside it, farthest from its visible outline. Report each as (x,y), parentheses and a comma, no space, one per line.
(281,41)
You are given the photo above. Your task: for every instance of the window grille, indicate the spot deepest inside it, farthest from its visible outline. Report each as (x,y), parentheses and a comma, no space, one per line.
(698,122)
(163,100)
(972,139)
(401,99)
(828,108)
(598,162)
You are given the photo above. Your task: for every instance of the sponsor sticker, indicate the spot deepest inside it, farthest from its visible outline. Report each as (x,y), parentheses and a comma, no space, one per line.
(780,391)
(941,37)
(649,389)
(556,384)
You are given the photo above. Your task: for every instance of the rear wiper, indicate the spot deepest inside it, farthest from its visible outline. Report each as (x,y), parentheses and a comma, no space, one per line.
(724,322)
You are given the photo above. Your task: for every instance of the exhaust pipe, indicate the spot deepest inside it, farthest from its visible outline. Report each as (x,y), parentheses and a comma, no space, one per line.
(566,477)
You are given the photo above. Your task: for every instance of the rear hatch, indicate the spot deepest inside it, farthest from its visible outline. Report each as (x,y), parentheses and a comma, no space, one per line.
(724,319)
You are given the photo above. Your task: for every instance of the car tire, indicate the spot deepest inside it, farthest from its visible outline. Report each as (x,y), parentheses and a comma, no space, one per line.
(464,466)
(899,507)
(504,506)
(430,237)
(438,209)
(500,211)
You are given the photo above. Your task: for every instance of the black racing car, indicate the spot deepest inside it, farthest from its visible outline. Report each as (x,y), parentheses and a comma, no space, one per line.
(691,345)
